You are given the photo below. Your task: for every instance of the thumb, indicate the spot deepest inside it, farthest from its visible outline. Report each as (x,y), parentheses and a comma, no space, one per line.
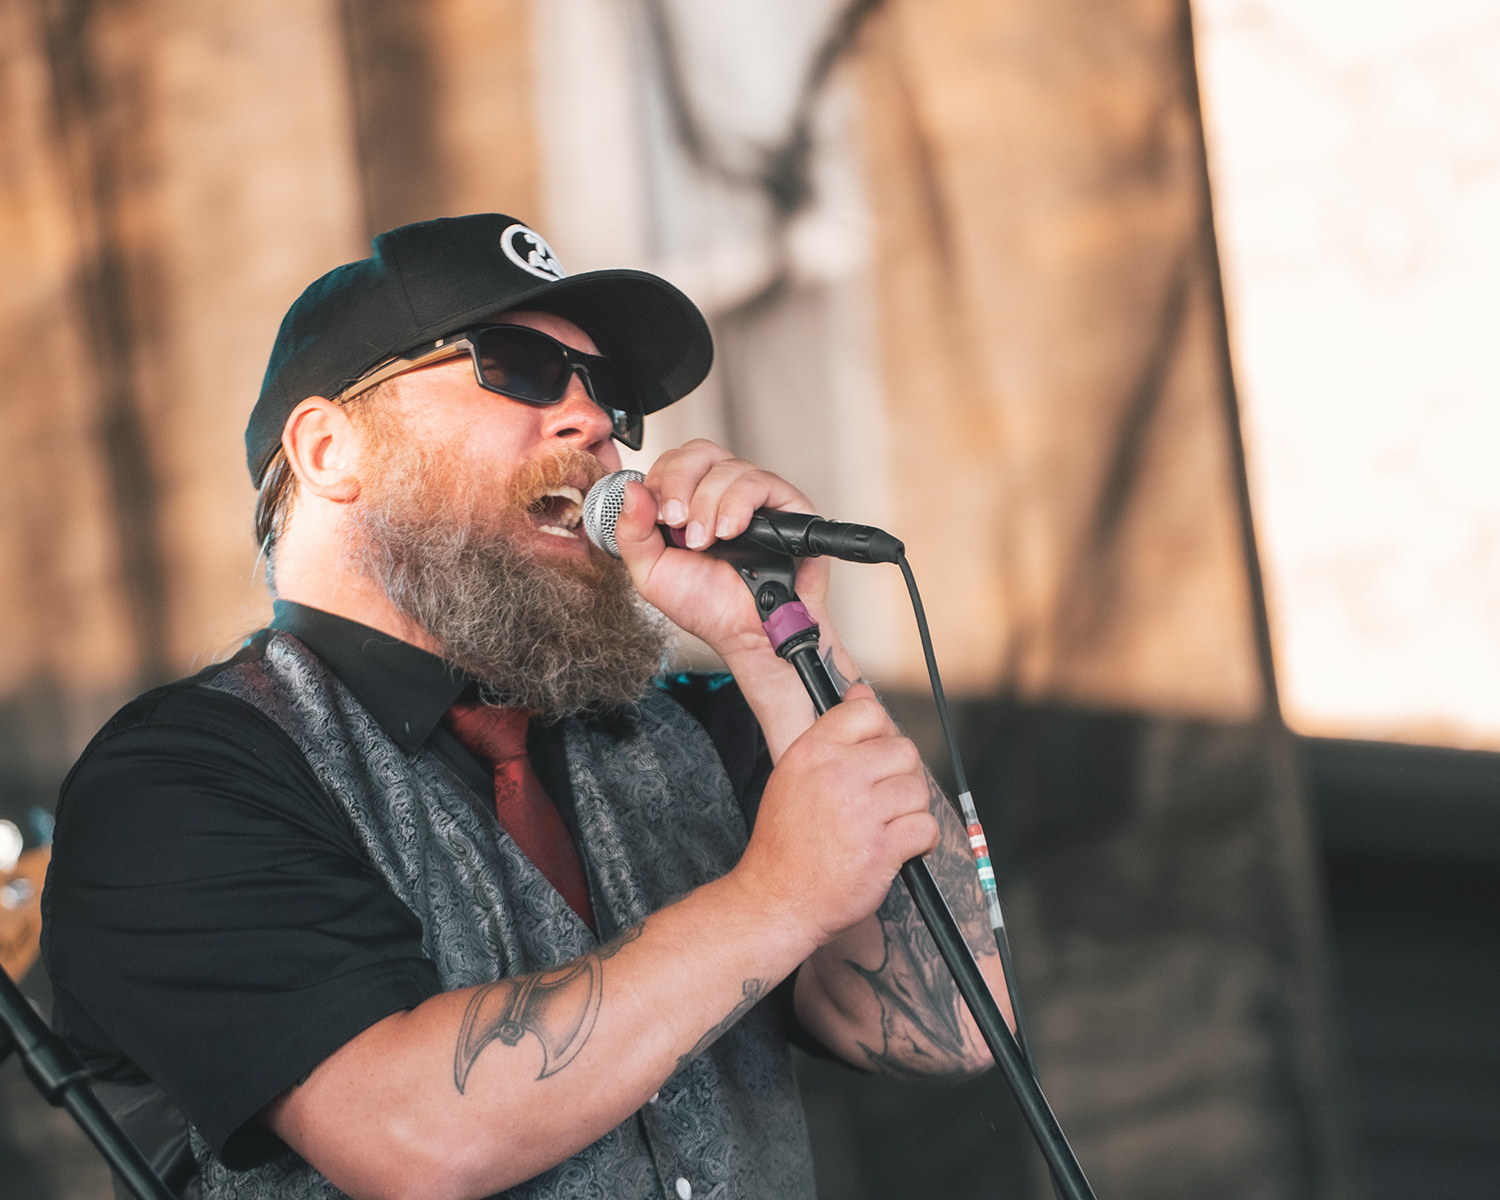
(636,535)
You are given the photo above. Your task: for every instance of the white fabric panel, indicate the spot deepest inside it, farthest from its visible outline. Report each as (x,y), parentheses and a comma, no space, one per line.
(795,386)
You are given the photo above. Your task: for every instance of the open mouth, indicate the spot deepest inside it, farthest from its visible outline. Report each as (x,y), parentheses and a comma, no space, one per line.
(557,511)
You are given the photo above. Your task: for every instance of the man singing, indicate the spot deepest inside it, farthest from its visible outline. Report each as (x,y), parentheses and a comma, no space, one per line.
(437,889)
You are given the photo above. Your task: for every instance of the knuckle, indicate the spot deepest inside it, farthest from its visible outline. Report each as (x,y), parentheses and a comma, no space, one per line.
(864,705)
(735,468)
(907,799)
(909,756)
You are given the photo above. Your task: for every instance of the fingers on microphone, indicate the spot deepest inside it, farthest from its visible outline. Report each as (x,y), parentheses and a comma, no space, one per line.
(629,525)
(675,477)
(635,530)
(703,487)
(708,518)
(749,489)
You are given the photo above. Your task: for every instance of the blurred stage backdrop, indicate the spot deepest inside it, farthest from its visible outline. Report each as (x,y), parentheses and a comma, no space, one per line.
(960,261)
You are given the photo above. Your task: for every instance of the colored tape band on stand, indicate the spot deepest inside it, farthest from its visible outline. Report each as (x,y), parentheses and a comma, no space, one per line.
(787,622)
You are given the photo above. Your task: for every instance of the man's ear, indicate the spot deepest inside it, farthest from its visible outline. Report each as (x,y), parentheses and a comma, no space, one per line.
(323,449)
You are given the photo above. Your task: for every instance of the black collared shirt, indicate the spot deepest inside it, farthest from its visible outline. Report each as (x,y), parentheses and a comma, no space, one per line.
(406,689)
(211,923)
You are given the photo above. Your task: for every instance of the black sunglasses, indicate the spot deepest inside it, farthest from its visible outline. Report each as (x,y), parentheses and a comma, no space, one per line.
(526,365)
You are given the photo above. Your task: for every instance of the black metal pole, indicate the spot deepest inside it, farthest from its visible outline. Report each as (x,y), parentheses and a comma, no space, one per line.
(1067,1174)
(63,1082)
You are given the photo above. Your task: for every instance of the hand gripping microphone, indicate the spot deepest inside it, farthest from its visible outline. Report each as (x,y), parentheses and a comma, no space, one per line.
(765,556)
(799,534)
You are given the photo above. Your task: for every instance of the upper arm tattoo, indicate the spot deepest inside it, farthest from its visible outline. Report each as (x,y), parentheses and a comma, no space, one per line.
(558,1007)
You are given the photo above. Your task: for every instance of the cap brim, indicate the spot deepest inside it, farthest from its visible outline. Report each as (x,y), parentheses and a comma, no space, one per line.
(655,333)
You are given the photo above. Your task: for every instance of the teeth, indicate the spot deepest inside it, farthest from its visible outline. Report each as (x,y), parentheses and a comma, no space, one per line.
(567,519)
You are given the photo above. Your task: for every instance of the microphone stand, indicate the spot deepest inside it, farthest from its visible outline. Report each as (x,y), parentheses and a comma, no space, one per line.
(771,578)
(63,1082)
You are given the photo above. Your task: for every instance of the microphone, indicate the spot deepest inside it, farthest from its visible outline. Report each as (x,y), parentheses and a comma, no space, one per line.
(799,534)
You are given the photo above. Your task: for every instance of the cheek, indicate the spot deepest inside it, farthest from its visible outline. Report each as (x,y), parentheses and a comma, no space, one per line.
(506,434)
(609,455)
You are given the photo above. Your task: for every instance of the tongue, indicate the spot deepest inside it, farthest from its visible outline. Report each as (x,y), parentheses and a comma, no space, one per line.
(548,510)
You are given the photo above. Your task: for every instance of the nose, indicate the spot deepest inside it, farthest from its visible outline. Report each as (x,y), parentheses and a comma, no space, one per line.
(576,417)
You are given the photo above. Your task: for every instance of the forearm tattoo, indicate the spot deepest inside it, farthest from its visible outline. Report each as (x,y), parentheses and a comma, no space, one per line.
(921,1015)
(558,1007)
(841,682)
(754,990)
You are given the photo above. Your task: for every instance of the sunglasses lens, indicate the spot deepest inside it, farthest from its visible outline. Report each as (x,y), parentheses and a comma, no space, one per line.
(523,364)
(613,392)
(630,428)
(528,365)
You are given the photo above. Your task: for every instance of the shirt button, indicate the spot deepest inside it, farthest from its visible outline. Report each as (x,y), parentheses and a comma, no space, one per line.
(684,1188)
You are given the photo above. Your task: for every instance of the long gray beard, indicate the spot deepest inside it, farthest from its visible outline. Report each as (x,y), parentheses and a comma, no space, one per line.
(536,635)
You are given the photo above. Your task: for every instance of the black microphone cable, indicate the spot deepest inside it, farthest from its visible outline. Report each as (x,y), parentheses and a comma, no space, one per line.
(978,843)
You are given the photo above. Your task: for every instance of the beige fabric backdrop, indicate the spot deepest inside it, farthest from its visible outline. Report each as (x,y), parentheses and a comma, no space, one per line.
(1053,378)
(174,174)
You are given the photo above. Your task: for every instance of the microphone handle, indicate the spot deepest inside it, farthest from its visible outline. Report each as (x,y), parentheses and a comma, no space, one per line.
(803,535)
(799,535)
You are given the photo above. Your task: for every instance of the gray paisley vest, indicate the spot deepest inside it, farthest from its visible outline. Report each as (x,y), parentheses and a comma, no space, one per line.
(657,818)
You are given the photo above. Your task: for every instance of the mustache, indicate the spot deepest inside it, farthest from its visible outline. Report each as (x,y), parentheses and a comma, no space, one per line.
(567,467)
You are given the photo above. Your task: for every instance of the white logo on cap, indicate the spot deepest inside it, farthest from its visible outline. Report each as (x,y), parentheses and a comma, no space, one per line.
(529,251)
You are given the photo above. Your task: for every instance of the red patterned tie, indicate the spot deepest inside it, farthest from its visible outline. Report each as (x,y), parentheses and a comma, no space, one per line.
(497,736)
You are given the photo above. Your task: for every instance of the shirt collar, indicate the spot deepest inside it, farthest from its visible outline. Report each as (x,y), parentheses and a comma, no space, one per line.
(406,689)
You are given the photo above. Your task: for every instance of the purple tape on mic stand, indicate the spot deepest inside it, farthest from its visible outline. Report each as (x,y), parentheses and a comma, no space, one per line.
(788,621)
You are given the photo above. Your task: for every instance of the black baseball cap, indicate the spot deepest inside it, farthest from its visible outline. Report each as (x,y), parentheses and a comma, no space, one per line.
(429,279)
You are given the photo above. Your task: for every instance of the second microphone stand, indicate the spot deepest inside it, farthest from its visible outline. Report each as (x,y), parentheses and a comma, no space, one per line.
(62,1081)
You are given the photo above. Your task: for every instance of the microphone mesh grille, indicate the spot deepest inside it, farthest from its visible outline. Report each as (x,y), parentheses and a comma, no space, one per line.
(602,507)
